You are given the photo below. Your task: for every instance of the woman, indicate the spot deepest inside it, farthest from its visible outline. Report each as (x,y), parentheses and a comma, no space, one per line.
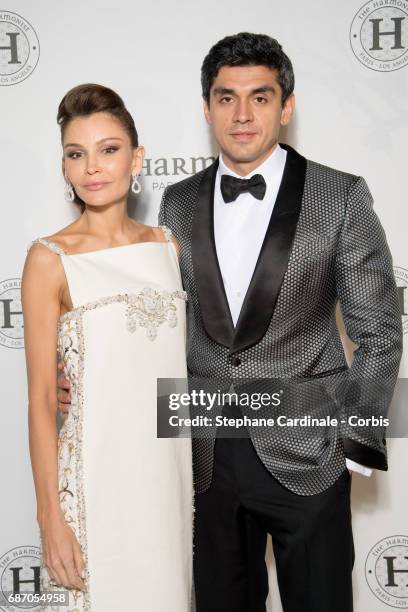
(114,502)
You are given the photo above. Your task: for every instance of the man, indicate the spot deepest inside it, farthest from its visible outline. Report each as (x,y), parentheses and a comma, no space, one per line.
(269,243)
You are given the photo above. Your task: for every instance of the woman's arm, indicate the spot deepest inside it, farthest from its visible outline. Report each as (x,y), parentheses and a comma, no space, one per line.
(43,281)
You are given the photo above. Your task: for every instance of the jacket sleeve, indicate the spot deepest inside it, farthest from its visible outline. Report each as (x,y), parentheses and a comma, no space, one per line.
(369,304)
(162,210)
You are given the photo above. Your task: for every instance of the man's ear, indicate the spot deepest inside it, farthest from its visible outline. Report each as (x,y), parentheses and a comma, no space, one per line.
(207,111)
(288,109)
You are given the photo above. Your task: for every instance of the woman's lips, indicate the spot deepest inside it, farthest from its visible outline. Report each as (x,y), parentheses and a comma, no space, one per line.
(95,186)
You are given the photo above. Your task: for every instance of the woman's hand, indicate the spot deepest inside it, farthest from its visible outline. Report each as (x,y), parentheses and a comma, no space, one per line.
(62,553)
(63,391)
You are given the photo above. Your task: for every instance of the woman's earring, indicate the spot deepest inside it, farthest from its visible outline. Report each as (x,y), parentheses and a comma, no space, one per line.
(69,192)
(136,186)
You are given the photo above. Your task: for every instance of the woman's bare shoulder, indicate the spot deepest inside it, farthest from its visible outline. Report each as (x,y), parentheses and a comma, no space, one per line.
(67,238)
(42,252)
(165,234)
(66,241)
(42,271)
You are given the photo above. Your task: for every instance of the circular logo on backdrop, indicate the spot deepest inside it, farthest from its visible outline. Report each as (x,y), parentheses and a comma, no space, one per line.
(11,314)
(20,578)
(386,571)
(401,278)
(379,35)
(19,48)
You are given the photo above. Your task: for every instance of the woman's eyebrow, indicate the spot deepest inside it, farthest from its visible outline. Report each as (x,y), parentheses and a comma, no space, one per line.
(75,144)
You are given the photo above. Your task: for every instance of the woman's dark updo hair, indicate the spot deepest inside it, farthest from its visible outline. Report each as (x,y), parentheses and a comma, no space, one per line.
(90,98)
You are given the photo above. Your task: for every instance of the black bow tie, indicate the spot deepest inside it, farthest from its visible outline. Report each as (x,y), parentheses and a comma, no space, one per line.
(231,187)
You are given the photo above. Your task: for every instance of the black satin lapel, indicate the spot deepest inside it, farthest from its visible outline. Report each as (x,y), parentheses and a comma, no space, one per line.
(210,287)
(272,263)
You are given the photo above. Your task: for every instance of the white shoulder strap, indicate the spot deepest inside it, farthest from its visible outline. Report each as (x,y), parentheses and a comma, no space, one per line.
(167,232)
(50,245)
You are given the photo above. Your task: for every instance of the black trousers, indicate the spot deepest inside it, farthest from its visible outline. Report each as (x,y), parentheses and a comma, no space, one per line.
(312,539)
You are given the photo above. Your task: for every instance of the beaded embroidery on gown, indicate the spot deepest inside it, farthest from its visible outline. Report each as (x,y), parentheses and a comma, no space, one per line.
(127,495)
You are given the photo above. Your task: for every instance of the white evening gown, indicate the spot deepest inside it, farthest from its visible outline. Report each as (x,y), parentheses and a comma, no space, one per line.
(127,494)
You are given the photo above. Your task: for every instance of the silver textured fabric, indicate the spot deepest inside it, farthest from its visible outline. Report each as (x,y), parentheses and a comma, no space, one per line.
(339,253)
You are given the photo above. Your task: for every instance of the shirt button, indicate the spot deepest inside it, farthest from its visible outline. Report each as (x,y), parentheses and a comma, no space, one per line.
(235,360)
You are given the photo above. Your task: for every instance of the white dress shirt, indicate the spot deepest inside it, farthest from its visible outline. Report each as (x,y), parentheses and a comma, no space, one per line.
(240,227)
(239,231)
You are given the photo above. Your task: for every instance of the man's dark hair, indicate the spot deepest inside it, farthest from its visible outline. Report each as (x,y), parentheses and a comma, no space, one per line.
(246,49)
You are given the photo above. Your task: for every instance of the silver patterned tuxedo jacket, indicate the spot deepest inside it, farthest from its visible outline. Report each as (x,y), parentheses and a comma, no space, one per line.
(324,244)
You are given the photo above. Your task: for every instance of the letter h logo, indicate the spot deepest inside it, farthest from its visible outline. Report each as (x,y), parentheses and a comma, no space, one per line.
(396,33)
(8,313)
(12,48)
(18,581)
(391,571)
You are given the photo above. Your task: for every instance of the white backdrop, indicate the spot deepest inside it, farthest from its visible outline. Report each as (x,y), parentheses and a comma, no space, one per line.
(350,115)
